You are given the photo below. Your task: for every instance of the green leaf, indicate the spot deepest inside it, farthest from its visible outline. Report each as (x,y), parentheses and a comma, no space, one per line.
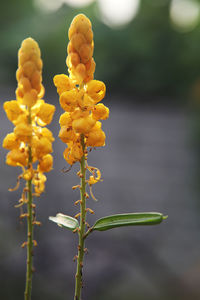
(65,221)
(131,219)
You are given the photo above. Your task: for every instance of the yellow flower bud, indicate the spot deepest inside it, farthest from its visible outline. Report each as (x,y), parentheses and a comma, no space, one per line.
(78,113)
(36,80)
(100,112)
(17,157)
(40,147)
(90,69)
(80,50)
(80,72)
(23,132)
(46,163)
(96,137)
(80,24)
(39,182)
(77,41)
(65,119)
(96,90)
(85,52)
(94,179)
(36,108)
(68,100)
(85,102)
(45,132)
(23,57)
(68,157)
(77,151)
(28,174)
(66,134)
(30,98)
(83,125)
(12,109)
(25,84)
(63,83)
(45,114)
(10,141)
(29,68)
(73,59)
(29,73)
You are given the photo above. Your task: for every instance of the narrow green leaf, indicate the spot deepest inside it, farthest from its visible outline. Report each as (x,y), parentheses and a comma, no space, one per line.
(65,221)
(131,219)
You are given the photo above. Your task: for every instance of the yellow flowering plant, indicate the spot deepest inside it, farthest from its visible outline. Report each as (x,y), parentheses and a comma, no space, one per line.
(79,96)
(30,143)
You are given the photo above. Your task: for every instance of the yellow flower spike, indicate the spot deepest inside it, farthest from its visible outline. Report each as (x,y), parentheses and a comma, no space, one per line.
(29,143)
(80,126)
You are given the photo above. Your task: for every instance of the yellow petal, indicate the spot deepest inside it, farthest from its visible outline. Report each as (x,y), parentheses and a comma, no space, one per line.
(96,90)
(45,113)
(12,109)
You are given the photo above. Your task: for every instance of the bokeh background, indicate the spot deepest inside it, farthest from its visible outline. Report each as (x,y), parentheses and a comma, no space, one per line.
(148,54)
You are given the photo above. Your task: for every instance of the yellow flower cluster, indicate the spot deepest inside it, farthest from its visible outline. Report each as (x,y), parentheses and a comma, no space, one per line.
(30,141)
(80,94)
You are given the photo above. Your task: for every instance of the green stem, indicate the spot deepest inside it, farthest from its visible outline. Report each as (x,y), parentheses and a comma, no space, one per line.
(29,263)
(78,283)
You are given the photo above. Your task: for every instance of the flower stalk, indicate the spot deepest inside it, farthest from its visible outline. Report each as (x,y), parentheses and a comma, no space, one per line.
(29,263)
(80,124)
(78,282)
(30,143)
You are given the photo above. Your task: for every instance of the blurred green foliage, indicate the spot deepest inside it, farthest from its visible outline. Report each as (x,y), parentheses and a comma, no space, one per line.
(148,57)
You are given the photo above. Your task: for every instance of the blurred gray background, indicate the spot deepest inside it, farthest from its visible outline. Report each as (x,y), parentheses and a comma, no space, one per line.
(147,53)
